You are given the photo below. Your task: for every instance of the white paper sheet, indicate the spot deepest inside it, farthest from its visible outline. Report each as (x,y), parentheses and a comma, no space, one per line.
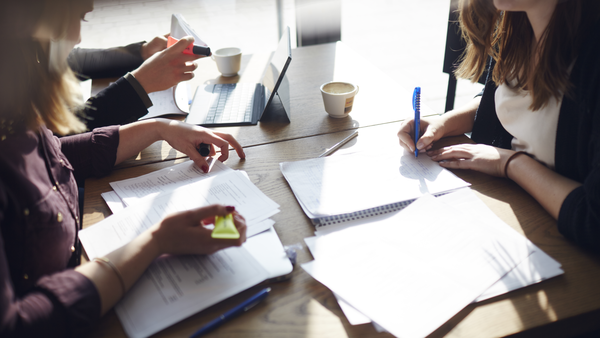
(230,188)
(535,268)
(411,279)
(165,180)
(113,201)
(172,101)
(176,287)
(344,184)
(538,266)
(354,316)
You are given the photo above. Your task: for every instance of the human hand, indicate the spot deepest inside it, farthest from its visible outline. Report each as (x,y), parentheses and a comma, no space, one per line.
(186,232)
(479,157)
(431,130)
(155,45)
(167,68)
(187,139)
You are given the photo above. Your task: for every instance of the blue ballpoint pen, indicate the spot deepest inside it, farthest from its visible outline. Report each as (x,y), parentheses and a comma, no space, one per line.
(245,306)
(417,108)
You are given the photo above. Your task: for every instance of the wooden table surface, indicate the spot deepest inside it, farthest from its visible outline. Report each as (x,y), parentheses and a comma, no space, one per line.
(379,100)
(301,307)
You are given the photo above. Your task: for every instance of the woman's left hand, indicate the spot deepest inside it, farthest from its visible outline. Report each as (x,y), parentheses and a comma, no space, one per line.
(479,157)
(187,138)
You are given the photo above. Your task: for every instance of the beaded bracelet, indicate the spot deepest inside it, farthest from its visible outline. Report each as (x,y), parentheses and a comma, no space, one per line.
(114,268)
(512,157)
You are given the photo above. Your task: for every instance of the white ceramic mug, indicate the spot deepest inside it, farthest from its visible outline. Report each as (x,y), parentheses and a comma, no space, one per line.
(338,98)
(228,60)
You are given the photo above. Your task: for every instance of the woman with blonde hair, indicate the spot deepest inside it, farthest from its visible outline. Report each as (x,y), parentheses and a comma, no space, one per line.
(44,292)
(538,121)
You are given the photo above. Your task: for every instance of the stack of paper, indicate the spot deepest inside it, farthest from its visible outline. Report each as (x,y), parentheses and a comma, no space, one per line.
(412,270)
(175,287)
(131,191)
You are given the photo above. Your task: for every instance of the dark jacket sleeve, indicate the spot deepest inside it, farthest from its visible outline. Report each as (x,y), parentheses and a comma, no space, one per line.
(92,154)
(119,103)
(578,148)
(103,63)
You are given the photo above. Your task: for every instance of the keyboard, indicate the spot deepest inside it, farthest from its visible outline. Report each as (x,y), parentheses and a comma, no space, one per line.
(231,102)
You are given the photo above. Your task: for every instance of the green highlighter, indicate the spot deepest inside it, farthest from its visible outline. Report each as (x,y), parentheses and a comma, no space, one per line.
(225,228)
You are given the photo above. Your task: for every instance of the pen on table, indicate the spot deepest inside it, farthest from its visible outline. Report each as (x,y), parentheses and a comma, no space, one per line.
(339,144)
(245,306)
(416,101)
(204,149)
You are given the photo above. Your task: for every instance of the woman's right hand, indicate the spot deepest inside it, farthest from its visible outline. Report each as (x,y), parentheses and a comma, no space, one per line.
(431,130)
(186,232)
(166,68)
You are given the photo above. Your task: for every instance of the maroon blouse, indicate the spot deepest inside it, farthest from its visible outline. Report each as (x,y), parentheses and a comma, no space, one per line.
(40,294)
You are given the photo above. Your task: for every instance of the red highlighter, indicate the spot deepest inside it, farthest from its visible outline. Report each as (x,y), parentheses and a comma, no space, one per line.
(191,49)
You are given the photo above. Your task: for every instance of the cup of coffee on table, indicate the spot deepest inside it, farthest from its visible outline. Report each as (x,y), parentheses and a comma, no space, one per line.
(228,60)
(338,98)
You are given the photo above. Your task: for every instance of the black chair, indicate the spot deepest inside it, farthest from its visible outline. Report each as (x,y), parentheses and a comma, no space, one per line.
(455,46)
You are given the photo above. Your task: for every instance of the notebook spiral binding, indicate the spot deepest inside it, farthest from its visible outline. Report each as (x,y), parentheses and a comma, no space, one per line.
(384,209)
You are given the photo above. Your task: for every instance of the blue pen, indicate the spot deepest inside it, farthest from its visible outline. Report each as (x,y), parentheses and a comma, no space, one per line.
(417,108)
(245,306)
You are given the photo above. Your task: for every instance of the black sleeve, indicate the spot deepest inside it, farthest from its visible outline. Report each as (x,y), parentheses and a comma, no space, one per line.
(119,103)
(104,63)
(578,147)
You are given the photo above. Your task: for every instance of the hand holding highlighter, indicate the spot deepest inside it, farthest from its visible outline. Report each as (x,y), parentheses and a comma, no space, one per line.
(191,49)
(225,228)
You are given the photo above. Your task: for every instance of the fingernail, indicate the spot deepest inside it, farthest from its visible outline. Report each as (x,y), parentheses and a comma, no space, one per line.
(205,168)
(230,208)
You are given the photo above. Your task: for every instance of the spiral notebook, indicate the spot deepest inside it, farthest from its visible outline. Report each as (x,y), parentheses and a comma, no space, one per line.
(333,190)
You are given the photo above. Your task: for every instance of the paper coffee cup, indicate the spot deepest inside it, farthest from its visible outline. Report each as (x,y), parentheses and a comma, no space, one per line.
(228,60)
(338,98)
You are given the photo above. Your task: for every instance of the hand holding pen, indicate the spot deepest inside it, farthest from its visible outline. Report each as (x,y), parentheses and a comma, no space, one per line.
(419,134)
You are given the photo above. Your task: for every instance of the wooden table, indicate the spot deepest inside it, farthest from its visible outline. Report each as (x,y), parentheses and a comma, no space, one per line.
(301,307)
(377,101)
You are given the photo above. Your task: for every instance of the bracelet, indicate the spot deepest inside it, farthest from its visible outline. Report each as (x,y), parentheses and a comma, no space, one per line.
(114,268)
(512,157)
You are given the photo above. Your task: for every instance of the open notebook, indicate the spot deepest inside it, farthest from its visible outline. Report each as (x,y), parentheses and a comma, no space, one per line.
(336,189)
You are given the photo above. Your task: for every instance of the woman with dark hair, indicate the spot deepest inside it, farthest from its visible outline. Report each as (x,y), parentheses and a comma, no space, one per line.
(538,121)
(43,292)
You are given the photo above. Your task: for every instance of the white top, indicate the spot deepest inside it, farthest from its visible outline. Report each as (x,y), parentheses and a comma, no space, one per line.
(534,131)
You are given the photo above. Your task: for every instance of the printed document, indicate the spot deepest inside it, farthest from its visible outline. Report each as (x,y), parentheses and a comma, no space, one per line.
(165,180)
(231,188)
(175,287)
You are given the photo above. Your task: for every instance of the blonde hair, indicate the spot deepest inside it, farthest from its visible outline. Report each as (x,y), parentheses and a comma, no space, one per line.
(31,95)
(508,38)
